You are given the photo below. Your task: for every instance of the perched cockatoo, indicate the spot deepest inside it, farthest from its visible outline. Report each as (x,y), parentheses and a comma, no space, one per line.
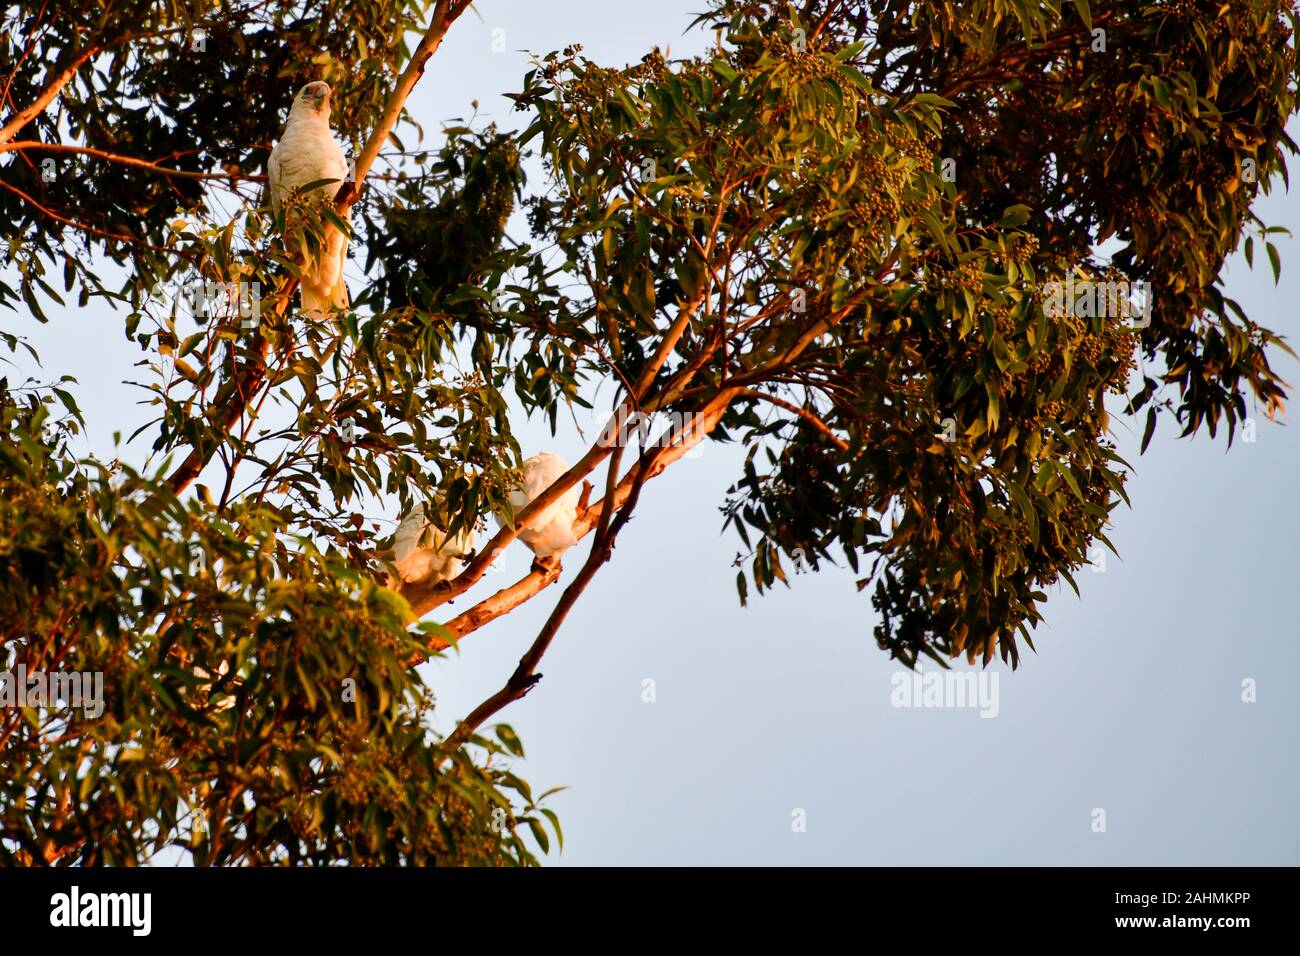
(422,552)
(308,152)
(553,531)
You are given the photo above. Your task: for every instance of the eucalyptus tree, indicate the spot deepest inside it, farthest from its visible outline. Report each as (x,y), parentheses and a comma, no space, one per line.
(901,252)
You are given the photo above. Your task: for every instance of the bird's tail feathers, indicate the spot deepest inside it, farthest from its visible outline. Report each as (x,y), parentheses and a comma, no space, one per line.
(318,303)
(324,289)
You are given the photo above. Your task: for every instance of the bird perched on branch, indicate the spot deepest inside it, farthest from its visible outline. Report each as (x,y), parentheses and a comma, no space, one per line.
(306,153)
(423,553)
(552,533)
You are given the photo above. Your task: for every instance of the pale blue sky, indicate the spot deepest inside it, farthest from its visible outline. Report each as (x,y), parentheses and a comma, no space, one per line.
(1133,703)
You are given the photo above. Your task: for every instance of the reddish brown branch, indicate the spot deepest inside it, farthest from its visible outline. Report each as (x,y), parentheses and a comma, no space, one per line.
(81,226)
(47,96)
(233,398)
(525,676)
(31,145)
(444,15)
(808,416)
(491,608)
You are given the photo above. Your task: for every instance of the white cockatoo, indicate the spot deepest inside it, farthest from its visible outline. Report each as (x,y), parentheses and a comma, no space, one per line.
(422,552)
(307,152)
(553,531)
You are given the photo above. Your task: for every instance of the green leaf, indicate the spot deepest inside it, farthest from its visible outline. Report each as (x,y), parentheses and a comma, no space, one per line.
(1026,509)
(506,734)
(1014,216)
(539,834)
(1149,430)
(1085,13)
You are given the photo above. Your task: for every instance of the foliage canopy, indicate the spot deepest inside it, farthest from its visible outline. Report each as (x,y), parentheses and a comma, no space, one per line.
(827,239)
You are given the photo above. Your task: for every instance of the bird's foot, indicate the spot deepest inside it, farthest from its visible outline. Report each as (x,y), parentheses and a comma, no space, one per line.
(547,564)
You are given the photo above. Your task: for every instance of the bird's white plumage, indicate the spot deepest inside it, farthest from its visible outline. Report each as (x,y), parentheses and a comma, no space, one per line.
(553,531)
(423,553)
(307,152)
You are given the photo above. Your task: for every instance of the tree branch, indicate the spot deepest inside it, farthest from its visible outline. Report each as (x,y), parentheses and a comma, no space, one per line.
(525,676)
(444,15)
(503,602)
(651,463)
(423,598)
(64,77)
(81,226)
(31,145)
(803,413)
(235,395)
